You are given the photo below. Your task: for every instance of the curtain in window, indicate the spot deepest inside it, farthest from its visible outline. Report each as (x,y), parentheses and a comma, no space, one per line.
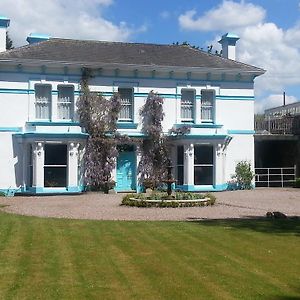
(65,102)
(42,101)
(207,105)
(187,105)
(126,104)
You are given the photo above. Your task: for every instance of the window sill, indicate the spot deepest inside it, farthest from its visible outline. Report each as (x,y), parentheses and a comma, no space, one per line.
(126,125)
(50,123)
(202,125)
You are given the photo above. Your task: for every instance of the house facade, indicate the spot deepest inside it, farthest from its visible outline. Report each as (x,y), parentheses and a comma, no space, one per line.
(42,143)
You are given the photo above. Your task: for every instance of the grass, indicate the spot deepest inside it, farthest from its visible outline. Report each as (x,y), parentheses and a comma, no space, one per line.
(73,259)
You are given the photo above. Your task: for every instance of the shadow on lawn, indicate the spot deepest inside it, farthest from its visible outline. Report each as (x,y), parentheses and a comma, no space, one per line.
(259,224)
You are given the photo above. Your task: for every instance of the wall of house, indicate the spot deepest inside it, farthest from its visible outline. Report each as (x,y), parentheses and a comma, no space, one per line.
(234,108)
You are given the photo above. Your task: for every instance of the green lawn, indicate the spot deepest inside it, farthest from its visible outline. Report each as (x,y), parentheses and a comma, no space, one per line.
(70,259)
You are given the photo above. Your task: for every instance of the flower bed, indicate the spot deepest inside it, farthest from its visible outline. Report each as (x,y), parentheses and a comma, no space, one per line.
(179,199)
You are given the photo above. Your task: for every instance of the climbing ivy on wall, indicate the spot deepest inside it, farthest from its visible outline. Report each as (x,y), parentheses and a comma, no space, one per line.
(98,116)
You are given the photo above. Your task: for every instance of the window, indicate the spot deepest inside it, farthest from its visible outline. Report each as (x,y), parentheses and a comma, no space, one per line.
(65,102)
(43,101)
(55,167)
(126,95)
(180,156)
(207,105)
(203,165)
(187,105)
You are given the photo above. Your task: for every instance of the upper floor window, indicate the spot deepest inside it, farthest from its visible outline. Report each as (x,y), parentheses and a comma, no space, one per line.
(126,112)
(187,105)
(65,102)
(43,101)
(207,105)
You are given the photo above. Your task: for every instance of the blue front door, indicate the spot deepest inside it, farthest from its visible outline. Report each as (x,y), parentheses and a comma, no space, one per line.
(126,171)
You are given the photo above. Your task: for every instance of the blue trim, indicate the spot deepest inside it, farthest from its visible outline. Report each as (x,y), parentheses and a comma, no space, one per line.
(37,37)
(202,188)
(10,129)
(4,22)
(49,123)
(202,136)
(49,190)
(51,135)
(136,95)
(240,131)
(242,98)
(126,125)
(203,125)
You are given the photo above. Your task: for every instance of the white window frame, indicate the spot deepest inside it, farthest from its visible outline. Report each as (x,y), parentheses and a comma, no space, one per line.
(127,104)
(186,104)
(208,107)
(40,102)
(67,103)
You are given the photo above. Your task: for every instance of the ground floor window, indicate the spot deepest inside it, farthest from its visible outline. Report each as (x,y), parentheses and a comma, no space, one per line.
(203,165)
(180,170)
(55,167)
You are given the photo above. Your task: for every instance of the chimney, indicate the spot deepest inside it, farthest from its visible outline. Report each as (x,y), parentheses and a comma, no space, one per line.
(37,37)
(228,42)
(4,23)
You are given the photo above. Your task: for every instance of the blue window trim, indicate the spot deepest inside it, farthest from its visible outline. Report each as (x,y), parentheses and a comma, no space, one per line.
(202,125)
(126,125)
(55,135)
(202,137)
(49,123)
(241,131)
(10,129)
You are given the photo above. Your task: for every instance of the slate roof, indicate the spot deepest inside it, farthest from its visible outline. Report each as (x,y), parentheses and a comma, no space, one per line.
(97,52)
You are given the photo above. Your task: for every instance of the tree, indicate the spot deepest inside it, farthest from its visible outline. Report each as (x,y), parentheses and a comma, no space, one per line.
(9,42)
(98,116)
(154,150)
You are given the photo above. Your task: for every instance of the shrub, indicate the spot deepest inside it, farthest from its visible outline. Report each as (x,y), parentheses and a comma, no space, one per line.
(297,183)
(2,194)
(243,175)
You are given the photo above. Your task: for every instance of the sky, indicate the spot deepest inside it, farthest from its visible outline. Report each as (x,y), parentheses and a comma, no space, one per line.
(269,30)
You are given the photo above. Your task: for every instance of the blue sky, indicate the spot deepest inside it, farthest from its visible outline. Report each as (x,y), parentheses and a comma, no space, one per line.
(269,30)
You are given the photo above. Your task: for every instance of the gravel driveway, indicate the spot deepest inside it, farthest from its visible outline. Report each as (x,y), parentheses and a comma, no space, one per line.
(237,204)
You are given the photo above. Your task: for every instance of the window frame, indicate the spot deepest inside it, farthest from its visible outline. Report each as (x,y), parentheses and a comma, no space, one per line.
(41,102)
(71,107)
(212,106)
(131,105)
(192,106)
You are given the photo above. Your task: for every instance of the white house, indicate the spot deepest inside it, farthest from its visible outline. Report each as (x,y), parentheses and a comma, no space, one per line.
(41,141)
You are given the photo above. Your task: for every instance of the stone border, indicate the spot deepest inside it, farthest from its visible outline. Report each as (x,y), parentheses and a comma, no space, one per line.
(171,201)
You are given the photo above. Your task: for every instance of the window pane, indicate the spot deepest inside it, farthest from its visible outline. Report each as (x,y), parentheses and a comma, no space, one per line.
(207,104)
(187,104)
(180,155)
(203,175)
(55,176)
(126,103)
(203,155)
(179,175)
(55,154)
(43,101)
(65,102)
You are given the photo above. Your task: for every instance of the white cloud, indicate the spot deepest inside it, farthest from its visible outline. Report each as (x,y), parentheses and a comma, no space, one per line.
(228,15)
(263,44)
(79,19)
(165,14)
(273,101)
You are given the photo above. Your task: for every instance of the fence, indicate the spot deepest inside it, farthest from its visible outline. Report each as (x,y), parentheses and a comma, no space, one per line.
(275,177)
(283,125)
